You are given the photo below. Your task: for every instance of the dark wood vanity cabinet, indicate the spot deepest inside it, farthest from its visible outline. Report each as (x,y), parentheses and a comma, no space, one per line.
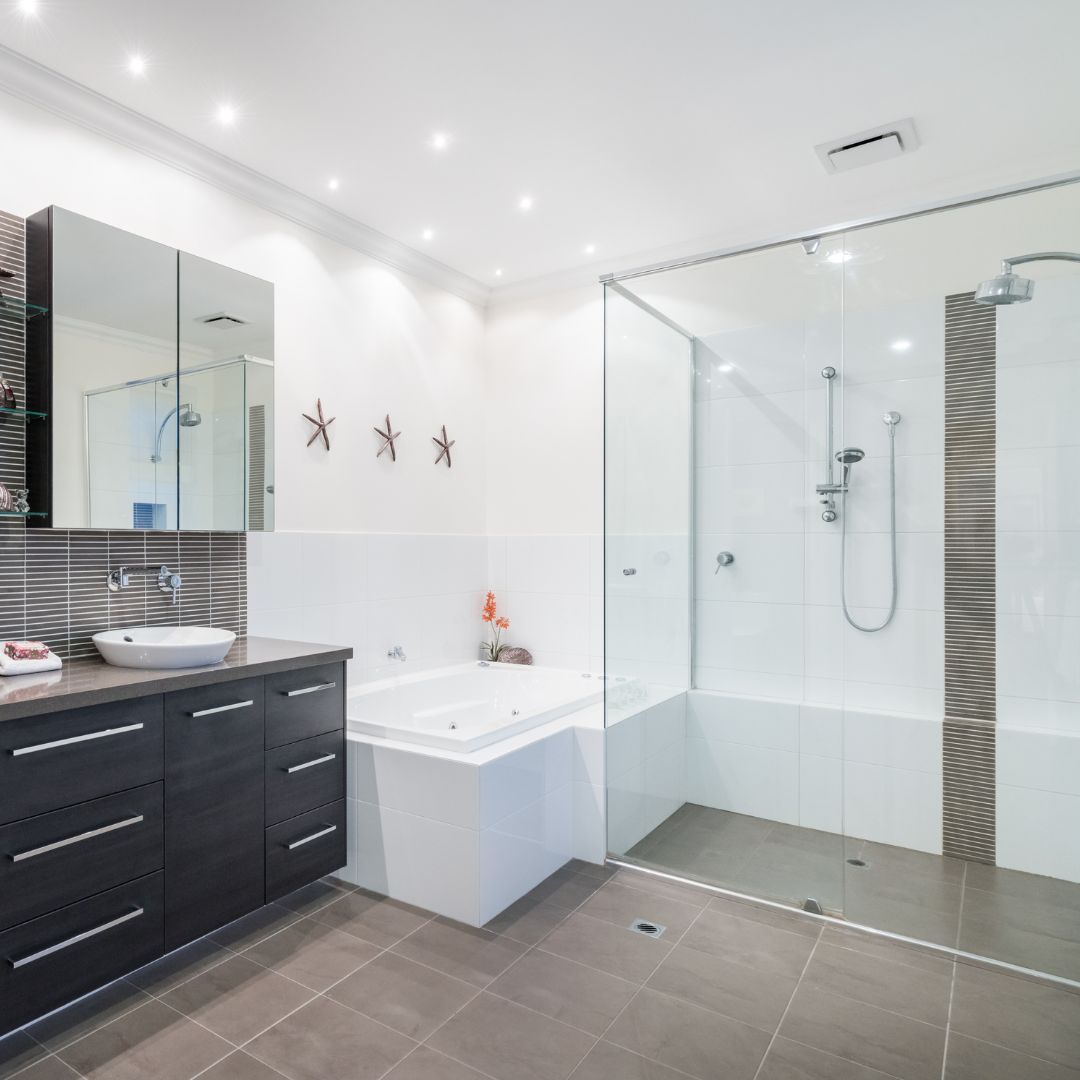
(213,807)
(131,828)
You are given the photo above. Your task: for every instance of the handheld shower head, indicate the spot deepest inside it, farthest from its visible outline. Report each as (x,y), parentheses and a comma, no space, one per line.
(848,457)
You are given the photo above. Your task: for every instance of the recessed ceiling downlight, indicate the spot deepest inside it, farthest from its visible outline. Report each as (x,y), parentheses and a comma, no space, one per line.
(526,203)
(440,141)
(28,7)
(136,65)
(333,183)
(428,234)
(227,114)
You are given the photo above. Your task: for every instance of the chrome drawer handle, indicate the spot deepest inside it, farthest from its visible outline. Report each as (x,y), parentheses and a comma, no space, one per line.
(67,943)
(76,739)
(314,836)
(57,844)
(223,708)
(309,689)
(314,761)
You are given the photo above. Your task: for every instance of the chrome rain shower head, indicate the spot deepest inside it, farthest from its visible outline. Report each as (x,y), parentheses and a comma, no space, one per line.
(1010,288)
(849,455)
(1005,289)
(190,418)
(186,417)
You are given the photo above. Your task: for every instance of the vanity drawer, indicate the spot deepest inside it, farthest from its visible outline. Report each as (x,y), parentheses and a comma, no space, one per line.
(56,958)
(54,859)
(47,762)
(305,702)
(305,848)
(304,775)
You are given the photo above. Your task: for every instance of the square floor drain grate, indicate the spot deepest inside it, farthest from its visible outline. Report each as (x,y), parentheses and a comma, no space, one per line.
(649,929)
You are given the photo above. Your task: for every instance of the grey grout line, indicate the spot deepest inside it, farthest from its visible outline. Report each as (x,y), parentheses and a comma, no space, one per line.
(948,1021)
(960,912)
(787,1007)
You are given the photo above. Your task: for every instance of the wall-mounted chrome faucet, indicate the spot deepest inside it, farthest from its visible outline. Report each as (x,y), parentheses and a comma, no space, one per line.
(396,653)
(167,581)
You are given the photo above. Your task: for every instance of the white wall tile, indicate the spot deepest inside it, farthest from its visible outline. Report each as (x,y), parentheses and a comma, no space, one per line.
(893,806)
(821,730)
(1036,488)
(1049,761)
(768,567)
(1037,656)
(821,793)
(749,637)
(1033,334)
(1038,572)
(1030,828)
(515,780)
(904,742)
(745,779)
(751,498)
(869,337)
(423,786)
(765,359)
(920,402)
(557,565)
(1037,404)
(751,683)
(755,430)
(753,722)
(590,831)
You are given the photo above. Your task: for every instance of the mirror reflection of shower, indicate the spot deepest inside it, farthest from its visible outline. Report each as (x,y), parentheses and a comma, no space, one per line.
(188,418)
(830,488)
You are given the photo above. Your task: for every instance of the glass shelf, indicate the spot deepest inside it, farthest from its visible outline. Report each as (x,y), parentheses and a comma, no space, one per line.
(19,514)
(12,307)
(23,414)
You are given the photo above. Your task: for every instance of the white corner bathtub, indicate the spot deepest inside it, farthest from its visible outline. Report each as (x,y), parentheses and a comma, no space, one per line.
(468,706)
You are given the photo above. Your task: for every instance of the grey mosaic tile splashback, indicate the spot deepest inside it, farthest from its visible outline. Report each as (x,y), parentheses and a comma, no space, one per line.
(53,582)
(969,736)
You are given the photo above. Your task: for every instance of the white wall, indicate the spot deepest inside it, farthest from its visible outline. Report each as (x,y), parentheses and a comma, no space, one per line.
(361,335)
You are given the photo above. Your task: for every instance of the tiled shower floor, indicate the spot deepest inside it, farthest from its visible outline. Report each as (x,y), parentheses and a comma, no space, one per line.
(336,983)
(1023,919)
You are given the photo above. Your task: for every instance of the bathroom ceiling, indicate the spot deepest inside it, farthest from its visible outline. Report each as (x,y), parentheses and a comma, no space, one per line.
(645,130)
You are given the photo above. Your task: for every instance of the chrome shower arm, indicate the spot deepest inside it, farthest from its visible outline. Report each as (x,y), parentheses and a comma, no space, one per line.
(1038,256)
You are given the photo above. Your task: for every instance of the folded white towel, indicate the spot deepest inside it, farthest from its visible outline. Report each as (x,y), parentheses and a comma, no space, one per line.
(8,666)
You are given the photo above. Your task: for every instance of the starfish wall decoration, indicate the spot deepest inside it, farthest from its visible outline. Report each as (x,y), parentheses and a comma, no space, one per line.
(388,436)
(321,424)
(444,445)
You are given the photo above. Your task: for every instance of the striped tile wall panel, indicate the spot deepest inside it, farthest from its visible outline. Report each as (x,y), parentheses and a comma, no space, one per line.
(970,580)
(53,581)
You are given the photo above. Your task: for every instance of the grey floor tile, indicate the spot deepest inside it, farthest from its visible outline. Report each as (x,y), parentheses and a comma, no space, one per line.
(312,953)
(314,897)
(915,906)
(506,1041)
(564,990)
(566,889)
(1023,886)
(885,857)
(791,920)
(325,1039)
(766,948)
(787,1060)
(408,997)
(151,1041)
(606,947)
(252,928)
(595,870)
(894,1044)
(427,1064)
(17,1052)
(620,905)
(463,952)
(88,1014)
(702,1043)
(972,1059)
(691,860)
(240,1066)
(237,999)
(177,967)
(606,1061)
(672,890)
(372,917)
(528,920)
(909,991)
(50,1068)
(1025,1016)
(745,993)
(884,948)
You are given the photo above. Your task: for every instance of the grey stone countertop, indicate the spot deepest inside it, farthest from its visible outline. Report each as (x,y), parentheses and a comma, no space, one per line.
(93,682)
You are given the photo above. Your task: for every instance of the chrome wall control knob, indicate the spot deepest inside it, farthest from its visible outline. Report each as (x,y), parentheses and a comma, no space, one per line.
(724,558)
(629,571)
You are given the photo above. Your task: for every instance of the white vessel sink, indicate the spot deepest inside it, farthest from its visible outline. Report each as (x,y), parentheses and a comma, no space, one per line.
(164,646)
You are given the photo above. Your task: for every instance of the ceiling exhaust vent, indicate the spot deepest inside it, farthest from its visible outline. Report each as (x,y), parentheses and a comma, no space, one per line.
(223,318)
(868,147)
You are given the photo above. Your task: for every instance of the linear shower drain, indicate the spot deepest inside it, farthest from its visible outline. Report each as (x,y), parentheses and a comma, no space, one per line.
(649,929)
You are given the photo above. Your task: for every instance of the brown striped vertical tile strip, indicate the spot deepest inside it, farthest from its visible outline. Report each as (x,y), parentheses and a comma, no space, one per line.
(53,582)
(969,795)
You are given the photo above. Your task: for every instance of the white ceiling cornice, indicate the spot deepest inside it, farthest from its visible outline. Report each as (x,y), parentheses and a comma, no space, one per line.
(54,92)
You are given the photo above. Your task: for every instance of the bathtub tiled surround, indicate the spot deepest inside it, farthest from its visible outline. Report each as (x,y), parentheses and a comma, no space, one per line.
(466,835)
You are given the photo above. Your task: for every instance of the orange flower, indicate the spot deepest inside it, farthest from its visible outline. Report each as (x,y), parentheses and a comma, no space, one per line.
(502,622)
(489,608)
